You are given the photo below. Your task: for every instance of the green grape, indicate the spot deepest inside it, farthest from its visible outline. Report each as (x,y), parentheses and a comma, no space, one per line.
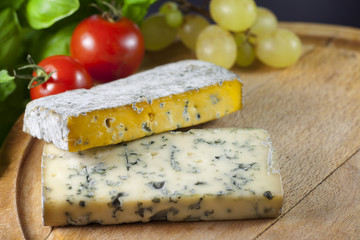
(189,31)
(245,51)
(157,33)
(240,38)
(280,48)
(265,22)
(168,7)
(174,18)
(216,45)
(233,15)
(245,54)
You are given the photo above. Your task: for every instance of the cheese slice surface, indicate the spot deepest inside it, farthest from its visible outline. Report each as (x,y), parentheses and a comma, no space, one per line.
(168,97)
(208,174)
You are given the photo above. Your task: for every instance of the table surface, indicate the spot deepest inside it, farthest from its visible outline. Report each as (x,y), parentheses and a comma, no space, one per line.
(311,110)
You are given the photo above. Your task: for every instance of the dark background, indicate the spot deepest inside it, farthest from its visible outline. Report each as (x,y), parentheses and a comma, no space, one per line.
(339,12)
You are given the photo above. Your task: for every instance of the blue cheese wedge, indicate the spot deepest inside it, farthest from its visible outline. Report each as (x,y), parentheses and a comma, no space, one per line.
(165,98)
(213,174)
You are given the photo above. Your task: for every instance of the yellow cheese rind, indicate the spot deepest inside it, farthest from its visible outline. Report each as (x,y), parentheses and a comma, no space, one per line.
(167,97)
(125,123)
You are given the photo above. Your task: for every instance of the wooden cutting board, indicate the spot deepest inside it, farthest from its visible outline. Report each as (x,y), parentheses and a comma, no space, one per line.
(312,111)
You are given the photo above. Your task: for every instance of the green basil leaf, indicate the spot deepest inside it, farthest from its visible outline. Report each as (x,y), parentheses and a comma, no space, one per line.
(12,108)
(7,85)
(9,24)
(10,37)
(44,13)
(11,3)
(58,43)
(136,9)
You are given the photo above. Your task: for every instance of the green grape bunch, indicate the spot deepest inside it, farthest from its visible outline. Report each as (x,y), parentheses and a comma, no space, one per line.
(242,32)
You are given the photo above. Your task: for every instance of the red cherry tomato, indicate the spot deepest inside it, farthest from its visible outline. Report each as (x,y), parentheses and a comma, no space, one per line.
(68,74)
(109,50)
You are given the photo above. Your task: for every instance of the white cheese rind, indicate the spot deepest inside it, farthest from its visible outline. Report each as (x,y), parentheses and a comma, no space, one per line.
(214,174)
(46,118)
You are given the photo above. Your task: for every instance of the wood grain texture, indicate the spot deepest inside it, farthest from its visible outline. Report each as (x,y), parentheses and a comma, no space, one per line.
(10,161)
(329,211)
(311,110)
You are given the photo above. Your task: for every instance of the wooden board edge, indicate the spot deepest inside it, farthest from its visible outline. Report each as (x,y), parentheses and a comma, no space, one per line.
(18,143)
(344,36)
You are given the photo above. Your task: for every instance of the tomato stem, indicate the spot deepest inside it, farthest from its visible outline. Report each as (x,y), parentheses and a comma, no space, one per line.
(41,75)
(187,7)
(114,13)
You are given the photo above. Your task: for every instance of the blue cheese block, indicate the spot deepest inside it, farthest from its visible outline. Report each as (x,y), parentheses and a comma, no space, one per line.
(213,174)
